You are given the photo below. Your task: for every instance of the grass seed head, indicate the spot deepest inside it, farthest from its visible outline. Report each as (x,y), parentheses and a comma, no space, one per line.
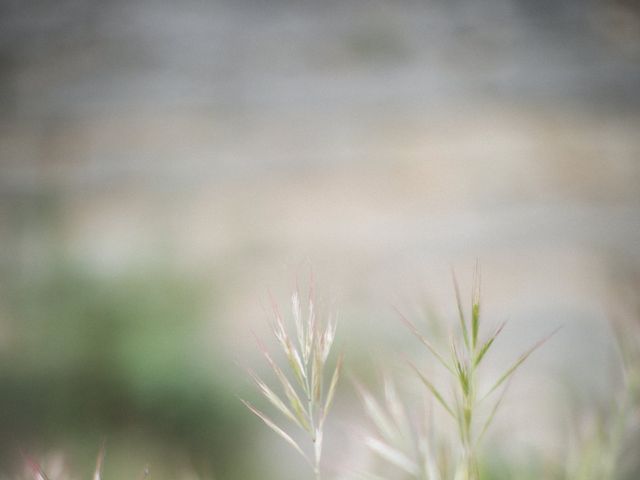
(305,402)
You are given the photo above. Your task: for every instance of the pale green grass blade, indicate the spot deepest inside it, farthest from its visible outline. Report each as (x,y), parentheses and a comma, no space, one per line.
(462,370)
(463,323)
(475,308)
(312,328)
(426,441)
(459,416)
(485,347)
(392,455)
(297,319)
(284,435)
(276,401)
(316,376)
(376,413)
(438,396)
(519,362)
(293,357)
(290,392)
(332,389)
(492,415)
(328,337)
(396,408)
(410,325)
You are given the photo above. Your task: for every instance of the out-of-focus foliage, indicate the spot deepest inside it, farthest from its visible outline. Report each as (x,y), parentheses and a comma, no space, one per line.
(93,357)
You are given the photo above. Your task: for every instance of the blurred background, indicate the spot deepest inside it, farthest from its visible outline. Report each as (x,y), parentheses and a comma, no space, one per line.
(164,164)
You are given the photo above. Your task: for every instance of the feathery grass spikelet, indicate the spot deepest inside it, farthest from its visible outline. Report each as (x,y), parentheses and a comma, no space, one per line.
(306,402)
(466,356)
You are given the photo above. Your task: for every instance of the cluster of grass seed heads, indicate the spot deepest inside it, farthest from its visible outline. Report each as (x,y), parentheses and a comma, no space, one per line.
(304,401)
(467,352)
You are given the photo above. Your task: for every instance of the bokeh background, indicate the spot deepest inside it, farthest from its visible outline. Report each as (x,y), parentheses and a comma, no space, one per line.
(165,164)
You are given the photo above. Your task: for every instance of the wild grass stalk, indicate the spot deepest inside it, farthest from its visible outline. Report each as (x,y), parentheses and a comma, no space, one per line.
(467,351)
(303,402)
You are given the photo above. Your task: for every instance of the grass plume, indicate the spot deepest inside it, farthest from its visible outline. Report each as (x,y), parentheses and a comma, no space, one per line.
(305,400)
(466,352)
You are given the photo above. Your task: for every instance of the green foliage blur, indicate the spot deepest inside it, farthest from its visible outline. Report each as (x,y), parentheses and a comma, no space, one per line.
(120,358)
